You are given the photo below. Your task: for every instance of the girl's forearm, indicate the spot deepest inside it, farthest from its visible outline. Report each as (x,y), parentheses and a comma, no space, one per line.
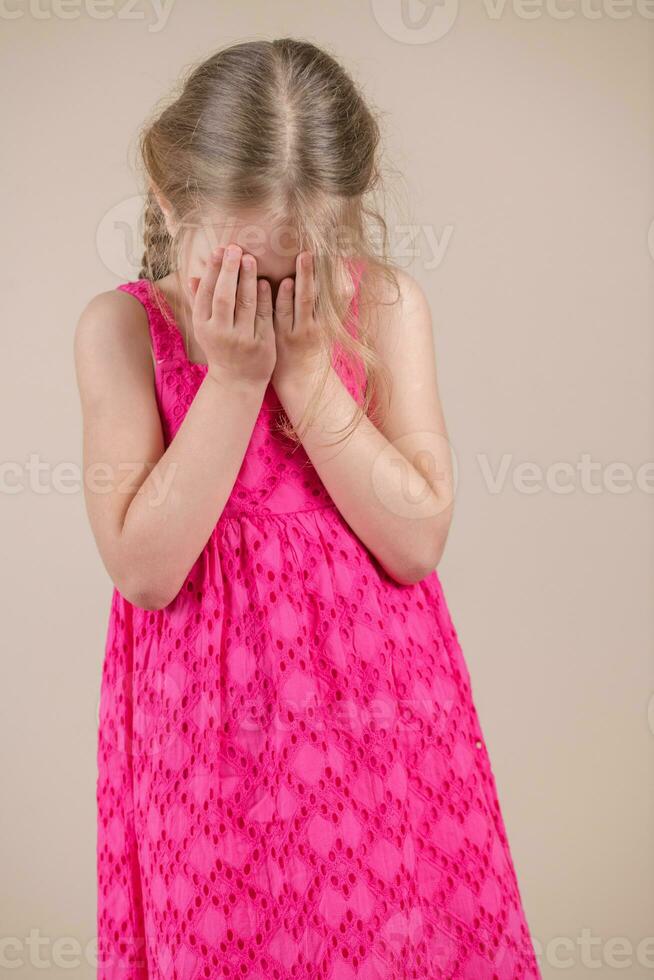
(386,501)
(174,511)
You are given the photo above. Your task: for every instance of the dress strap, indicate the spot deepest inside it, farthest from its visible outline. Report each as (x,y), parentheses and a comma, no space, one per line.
(167,342)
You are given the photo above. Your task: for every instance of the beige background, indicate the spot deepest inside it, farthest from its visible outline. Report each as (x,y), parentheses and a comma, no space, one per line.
(527,153)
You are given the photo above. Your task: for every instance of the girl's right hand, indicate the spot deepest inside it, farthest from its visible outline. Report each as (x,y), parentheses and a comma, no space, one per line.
(233,318)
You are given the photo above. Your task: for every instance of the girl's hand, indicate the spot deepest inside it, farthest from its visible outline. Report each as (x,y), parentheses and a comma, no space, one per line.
(233,319)
(300,348)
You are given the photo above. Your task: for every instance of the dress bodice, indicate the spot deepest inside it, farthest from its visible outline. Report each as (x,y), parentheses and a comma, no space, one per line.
(276,475)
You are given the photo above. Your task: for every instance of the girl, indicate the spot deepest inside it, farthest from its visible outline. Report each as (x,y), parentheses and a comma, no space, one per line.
(292,777)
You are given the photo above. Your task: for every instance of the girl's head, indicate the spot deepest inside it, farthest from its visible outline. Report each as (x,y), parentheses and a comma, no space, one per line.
(271,145)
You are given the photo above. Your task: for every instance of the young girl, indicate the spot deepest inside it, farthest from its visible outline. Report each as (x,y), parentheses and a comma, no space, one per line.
(292,777)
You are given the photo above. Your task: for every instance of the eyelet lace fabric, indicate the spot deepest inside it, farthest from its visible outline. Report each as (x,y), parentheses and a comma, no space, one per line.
(292,777)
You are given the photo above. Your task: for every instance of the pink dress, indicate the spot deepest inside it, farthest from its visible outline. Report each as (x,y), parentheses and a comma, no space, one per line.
(292,777)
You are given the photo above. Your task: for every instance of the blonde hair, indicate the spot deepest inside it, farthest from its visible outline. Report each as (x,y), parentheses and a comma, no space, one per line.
(277,126)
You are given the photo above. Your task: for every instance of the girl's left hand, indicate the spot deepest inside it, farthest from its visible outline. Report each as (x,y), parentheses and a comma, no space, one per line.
(300,346)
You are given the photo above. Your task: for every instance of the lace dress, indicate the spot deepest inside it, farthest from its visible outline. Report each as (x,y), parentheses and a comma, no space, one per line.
(292,778)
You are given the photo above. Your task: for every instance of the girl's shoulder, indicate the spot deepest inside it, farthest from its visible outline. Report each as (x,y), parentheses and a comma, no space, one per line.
(391,299)
(389,283)
(113,329)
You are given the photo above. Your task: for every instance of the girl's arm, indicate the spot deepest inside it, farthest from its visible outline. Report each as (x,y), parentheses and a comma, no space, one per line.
(394,485)
(153,510)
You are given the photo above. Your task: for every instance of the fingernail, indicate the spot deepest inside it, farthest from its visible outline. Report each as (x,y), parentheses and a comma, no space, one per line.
(233,251)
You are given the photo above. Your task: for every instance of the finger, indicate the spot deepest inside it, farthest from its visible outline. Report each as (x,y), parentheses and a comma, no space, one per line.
(246,295)
(204,295)
(284,305)
(224,296)
(263,318)
(304,288)
(193,283)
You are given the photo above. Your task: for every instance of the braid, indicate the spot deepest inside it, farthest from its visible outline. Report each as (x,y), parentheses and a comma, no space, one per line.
(155,263)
